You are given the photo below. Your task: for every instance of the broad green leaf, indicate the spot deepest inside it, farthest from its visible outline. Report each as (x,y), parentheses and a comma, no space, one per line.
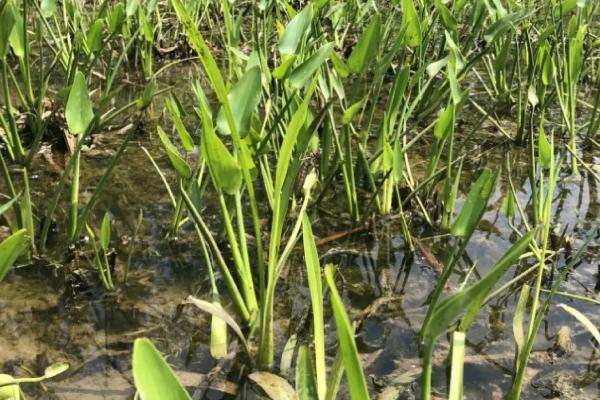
(357,384)
(243,100)
(366,49)
(10,249)
(305,376)
(351,111)
(224,169)
(7,21)
(178,162)
(17,40)
(576,54)
(304,71)
(457,366)
(48,7)
(281,71)
(443,125)
(94,36)
(218,335)
(154,379)
(545,149)
(105,232)
(498,28)
(548,68)
(295,30)
(147,30)
(184,135)
(313,269)
(411,24)
(446,15)
(9,392)
(339,65)
(117,18)
(474,206)
(78,111)
(585,321)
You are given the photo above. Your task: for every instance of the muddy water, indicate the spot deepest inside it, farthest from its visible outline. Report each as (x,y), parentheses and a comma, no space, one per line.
(60,313)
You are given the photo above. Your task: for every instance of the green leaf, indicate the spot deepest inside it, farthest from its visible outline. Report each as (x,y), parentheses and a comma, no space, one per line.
(281,71)
(224,169)
(397,162)
(339,65)
(154,379)
(9,392)
(117,18)
(576,54)
(304,71)
(474,206)
(94,36)
(132,6)
(78,111)
(411,24)
(48,7)
(17,39)
(10,249)
(351,111)
(55,369)
(305,375)
(443,126)
(519,319)
(498,28)
(357,384)
(105,232)
(180,165)
(6,206)
(7,21)
(184,135)
(313,269)
(446,15)
(295,30)
(243,100)
(366,49)
(545,149)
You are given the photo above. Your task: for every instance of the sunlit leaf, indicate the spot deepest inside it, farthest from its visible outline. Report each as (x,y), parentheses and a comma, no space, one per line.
(243,100)
(366,49)
(154,379)
(295,30)
(78,111)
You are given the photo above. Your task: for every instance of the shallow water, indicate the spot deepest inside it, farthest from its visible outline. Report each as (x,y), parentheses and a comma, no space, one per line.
(50,314)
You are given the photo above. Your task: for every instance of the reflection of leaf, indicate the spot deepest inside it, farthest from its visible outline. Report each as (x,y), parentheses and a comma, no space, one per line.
(274,386)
